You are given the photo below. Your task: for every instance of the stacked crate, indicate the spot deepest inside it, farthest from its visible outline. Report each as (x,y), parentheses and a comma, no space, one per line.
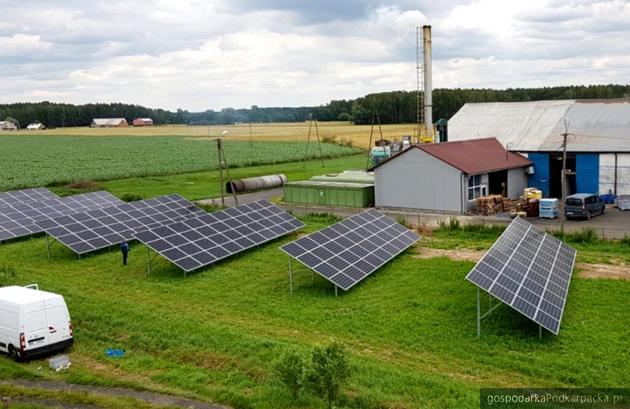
(548,208)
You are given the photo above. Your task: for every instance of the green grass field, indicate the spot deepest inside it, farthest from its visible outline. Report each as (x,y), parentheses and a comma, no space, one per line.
(45,160)
(410,329)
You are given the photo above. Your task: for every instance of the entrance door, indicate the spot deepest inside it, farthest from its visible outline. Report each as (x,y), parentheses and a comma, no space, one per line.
(555,175)
(497,183)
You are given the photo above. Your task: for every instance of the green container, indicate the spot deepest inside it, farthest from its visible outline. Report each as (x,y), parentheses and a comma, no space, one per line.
(347,176)
(329,193)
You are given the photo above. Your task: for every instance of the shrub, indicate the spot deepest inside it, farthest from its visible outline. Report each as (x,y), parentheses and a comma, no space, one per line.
(7,276)
(586,235)
(625,241)
(329,371)
(291,368)
(130,197)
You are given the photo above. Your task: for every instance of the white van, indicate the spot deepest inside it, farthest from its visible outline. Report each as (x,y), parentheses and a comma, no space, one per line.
(33,322)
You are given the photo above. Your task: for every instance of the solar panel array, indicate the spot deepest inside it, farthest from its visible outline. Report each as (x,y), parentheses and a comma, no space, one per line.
(349,251)
(528,270)
(96,229)
(201,241)
(25,196)
(21,219)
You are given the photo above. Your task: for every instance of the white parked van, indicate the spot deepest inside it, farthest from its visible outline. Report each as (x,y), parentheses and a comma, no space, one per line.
(33,322)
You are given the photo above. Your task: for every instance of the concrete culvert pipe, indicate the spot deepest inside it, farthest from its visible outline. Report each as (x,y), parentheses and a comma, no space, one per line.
(258,183)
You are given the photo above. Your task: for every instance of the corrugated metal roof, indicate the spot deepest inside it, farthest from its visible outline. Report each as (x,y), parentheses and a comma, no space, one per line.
(108,121)
(597,125)
(473,157)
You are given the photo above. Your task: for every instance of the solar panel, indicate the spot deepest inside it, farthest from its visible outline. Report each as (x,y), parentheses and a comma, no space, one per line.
(100,228)
(21,219)
(528,270)
(349,251)
(201,241)
(25,196)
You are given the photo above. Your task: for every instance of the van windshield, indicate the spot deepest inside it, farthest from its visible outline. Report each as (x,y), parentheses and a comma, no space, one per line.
(574,202)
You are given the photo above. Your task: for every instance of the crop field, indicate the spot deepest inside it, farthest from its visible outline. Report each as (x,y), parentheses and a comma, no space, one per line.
(359,135)
(410,328)
(44,160)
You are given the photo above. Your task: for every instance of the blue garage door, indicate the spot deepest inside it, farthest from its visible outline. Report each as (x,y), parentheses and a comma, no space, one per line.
(587,172)
(540,178)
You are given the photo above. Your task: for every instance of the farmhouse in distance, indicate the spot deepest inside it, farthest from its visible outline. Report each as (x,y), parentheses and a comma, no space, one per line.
(109,123)
(143,122)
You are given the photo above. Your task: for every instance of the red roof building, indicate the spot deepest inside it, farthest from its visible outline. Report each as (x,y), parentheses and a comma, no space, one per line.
(143,122)
(449,177)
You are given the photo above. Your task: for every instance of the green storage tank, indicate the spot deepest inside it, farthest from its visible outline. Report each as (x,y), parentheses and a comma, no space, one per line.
(330,193)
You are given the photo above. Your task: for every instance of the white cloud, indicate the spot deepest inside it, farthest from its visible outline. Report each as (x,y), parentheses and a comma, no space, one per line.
(198,54)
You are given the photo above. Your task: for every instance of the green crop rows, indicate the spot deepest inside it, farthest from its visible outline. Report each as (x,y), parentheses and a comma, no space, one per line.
(45,160)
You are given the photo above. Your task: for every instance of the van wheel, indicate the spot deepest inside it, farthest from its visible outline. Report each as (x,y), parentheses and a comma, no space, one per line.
(14,354)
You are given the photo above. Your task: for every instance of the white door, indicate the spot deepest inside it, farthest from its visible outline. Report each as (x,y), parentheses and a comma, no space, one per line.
(35,329)
(57,324)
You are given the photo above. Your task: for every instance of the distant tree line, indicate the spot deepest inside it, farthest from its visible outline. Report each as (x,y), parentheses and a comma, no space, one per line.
(392,107)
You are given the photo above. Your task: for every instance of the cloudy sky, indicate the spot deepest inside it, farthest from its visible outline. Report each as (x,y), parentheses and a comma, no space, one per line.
(211,54)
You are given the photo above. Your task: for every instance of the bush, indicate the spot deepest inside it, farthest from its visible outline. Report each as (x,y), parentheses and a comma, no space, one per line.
(7,276)
(291,369)
(586,235)
(329,371)
(130,197)
(625,241)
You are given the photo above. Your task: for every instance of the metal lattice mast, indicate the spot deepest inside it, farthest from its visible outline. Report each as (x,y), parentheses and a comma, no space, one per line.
(419,82)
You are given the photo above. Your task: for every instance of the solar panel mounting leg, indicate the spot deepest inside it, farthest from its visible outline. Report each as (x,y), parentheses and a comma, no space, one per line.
(336,291)
(478,313)
(48,246)
(539,331)
(290,277)
(148,261)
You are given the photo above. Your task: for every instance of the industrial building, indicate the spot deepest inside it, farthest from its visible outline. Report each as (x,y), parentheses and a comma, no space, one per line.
(109,123)
(449,177)
(143,122)
(598,146)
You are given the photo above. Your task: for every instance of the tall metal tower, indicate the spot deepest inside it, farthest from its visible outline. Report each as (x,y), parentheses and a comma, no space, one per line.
(424,85)
(419,83)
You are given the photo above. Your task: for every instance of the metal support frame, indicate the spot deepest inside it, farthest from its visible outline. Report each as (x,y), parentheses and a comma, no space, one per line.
(48,245)
(491,308)
(150,258)
(485,314)
(291,277)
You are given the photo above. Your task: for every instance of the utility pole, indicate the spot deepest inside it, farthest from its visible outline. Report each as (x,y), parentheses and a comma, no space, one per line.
(564,175)
(220,149)
(222,161)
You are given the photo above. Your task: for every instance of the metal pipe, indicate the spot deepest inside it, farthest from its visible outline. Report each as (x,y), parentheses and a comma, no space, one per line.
(257,183)
(428,80)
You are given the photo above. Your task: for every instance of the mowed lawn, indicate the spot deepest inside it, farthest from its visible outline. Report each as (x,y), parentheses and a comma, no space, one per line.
(282,132)
(410,328)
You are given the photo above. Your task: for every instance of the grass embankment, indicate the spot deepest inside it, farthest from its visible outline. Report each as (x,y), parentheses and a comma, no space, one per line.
(591,248)
(410,329)
(201,185)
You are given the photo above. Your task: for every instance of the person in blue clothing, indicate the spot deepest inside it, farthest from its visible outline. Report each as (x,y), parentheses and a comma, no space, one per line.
(124,249)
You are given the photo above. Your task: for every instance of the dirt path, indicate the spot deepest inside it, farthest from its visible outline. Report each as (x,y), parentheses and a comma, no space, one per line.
(585,270)
(152,398)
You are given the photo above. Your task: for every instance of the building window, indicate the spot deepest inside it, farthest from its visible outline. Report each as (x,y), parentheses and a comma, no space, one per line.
(475,188)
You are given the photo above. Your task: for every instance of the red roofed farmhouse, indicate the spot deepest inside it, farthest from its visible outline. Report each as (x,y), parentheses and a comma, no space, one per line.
(449,177)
